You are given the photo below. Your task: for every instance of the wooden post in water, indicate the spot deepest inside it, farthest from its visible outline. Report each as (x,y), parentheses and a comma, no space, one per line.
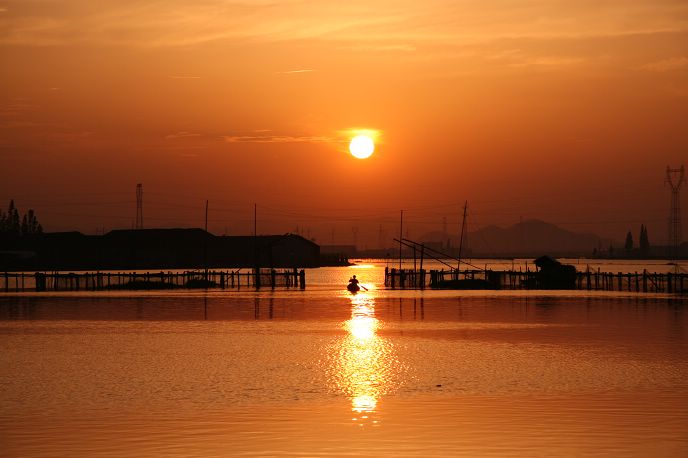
(588,279)
(256,277)
(597,279)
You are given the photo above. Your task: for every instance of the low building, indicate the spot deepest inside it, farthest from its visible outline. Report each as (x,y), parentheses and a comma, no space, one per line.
(156,249)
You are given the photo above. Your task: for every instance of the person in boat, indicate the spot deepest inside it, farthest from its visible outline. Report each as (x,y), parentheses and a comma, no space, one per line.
(353,284)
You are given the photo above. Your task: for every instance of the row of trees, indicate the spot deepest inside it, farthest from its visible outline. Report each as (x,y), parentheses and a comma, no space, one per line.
(12,223)
(643,243)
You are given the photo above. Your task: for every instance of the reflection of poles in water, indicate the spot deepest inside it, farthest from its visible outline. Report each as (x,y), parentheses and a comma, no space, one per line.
(256,308)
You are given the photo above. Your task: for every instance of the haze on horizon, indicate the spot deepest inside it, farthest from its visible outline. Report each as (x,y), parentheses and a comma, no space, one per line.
(565,111)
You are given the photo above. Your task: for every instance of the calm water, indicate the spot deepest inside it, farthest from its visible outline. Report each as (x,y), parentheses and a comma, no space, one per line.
(324,373)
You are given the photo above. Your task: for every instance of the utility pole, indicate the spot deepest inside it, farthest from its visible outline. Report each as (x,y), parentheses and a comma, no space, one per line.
(463,223)
(205,242)
(206,216)
(139,206)
(255,244)
(401,235)
(675,178)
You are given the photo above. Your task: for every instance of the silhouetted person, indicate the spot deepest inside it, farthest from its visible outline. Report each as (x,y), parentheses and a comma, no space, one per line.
(353,284)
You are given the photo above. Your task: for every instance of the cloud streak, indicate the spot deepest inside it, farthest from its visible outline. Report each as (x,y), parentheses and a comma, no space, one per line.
(181,134)
(381,25)
(666,65)
(291,72)
(277,139)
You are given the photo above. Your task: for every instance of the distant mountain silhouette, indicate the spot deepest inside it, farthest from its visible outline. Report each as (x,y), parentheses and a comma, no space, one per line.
(528,238)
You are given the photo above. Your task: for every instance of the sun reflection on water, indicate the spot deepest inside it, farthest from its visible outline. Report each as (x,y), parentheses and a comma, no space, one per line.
(365,364)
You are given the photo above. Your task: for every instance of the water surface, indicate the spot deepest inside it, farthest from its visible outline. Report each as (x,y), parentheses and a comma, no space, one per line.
(323,373)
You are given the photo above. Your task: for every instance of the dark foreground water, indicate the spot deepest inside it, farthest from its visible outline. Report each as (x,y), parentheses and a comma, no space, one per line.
(299,373)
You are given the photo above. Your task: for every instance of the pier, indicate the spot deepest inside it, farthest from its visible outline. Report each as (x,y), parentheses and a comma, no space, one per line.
(113,281)
(640,282)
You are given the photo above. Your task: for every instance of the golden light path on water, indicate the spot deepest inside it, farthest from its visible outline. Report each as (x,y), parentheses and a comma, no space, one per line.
(365,367)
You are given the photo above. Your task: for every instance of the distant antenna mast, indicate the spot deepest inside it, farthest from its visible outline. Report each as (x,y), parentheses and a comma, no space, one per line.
(139,206)
(675,178)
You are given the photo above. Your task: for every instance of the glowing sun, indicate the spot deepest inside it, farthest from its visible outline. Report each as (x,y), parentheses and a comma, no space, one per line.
(361,146)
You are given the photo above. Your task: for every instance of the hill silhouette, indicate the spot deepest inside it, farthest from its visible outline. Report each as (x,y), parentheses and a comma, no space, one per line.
(527,238)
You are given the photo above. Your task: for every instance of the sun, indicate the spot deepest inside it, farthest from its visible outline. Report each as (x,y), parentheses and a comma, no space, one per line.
(361,146)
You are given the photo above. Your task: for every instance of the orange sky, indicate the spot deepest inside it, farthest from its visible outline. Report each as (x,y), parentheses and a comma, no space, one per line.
(567,111)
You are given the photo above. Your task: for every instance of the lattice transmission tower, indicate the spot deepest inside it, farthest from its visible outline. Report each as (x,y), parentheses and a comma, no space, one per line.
(675,178)
(139,206)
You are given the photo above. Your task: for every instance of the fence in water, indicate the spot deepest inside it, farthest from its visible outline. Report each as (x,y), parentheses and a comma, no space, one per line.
(645,282)
(104,281)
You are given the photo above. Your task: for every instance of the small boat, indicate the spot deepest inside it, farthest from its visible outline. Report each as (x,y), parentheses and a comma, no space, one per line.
(353,287)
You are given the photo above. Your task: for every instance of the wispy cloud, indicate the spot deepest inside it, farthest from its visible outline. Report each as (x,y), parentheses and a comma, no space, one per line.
(382,47)
(666,65)
(276,139)
(291,72)
(383,25)
(181,134)
(67,136)
(16,107)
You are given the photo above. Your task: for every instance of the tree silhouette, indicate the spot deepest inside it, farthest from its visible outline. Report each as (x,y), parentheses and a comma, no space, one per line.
(11,223)
(644,241)
(629,241)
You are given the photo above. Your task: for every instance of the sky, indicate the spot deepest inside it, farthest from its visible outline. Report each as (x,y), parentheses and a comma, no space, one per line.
(567,111)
